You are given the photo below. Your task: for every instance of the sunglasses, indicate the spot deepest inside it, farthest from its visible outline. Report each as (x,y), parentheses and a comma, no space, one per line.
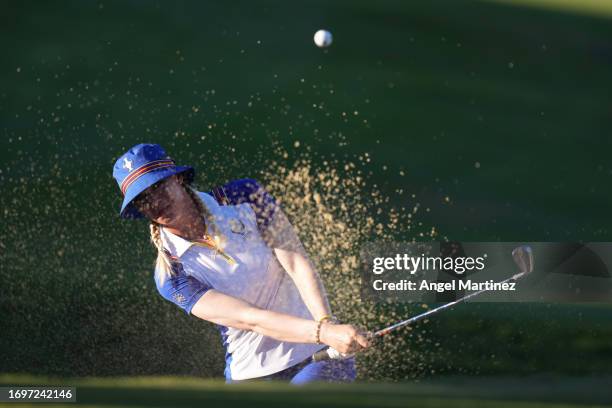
(145,197)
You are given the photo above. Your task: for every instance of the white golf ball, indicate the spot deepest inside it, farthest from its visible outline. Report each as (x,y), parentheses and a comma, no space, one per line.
(323,38)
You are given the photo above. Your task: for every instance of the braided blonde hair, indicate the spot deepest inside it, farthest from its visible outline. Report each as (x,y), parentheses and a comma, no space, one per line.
(164,264)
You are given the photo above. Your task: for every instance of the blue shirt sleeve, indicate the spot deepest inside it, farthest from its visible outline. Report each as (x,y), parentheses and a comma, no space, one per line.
(182,290)
(251,191)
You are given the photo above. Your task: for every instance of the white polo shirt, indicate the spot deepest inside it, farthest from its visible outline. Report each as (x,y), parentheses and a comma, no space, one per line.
(256,277)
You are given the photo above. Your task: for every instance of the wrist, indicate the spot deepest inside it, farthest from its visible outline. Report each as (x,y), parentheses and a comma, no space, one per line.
(322,332)
(322,327)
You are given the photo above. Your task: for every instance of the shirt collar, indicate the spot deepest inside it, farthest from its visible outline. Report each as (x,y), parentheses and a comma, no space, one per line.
(178,245)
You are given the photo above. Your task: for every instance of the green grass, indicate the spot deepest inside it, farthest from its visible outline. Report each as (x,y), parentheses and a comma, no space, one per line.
(191,392)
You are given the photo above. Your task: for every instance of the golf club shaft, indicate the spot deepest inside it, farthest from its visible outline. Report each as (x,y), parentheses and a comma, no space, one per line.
(330,353)
(416,318)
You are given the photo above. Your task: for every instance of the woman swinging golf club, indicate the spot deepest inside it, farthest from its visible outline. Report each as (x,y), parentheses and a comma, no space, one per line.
(231,257)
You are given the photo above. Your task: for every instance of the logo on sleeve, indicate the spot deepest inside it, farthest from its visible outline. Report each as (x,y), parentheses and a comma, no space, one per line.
(178,297)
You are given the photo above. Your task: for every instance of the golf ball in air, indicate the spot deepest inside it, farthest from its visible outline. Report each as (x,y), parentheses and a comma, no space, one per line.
(323,38)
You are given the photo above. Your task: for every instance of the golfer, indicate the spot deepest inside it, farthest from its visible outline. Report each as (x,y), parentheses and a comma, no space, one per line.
(231,257)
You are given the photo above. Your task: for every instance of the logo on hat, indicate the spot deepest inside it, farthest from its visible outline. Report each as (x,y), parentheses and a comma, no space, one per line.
(127,164)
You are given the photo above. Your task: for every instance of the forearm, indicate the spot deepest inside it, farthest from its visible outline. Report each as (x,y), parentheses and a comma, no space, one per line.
(282,326)
(307,280)
(290,252)
(228,311)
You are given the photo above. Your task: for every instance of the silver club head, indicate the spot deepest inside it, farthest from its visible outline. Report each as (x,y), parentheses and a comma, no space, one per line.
(523,257)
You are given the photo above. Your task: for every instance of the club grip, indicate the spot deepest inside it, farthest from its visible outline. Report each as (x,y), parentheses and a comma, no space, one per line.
(327,353)
(320,355)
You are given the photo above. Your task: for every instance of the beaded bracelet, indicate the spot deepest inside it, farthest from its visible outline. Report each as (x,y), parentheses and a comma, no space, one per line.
(318,335)
(324,317)
(320,322)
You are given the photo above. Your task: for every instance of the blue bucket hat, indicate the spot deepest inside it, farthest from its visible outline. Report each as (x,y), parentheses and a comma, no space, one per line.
(142,166)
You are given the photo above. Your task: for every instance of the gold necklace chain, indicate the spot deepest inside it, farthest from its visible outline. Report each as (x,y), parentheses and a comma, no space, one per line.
(209,242)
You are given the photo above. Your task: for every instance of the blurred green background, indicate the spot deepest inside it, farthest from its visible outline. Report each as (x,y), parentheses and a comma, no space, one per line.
(495,115)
